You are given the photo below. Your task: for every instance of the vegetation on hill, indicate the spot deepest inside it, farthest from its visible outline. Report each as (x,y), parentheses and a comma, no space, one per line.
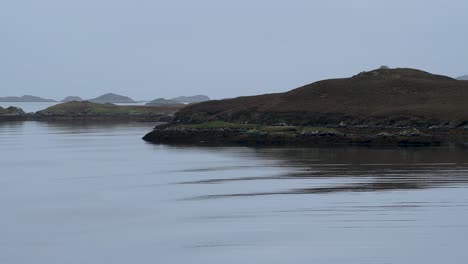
(382,97)
(253,127)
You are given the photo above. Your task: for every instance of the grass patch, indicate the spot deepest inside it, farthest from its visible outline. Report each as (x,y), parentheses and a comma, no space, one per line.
(260,128)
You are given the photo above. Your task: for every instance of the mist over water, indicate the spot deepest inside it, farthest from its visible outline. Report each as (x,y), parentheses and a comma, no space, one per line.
(97,193)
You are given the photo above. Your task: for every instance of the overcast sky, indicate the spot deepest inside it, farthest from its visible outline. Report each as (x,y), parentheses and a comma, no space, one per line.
(149,48)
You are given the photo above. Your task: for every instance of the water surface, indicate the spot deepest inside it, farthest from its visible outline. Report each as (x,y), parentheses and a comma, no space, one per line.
(96,193)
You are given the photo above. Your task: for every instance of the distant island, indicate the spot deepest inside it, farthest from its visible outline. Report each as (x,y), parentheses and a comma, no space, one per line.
(71,99)
(112,98)
(463,78)
(383,106)
(191,99)
(25,98)
(88,111)
(164,102)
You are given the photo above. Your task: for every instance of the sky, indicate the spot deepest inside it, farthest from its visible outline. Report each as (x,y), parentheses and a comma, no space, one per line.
(149,48)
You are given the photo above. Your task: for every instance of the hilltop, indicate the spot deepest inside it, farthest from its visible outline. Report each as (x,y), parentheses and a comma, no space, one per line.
(25,98)
(72,98)
(112,98)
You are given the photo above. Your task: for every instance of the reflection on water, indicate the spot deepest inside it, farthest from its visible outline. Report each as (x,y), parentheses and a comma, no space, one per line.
(360,169)
(97,193)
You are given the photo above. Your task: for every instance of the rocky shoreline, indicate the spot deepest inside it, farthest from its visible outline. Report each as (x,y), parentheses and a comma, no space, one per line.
(170,134)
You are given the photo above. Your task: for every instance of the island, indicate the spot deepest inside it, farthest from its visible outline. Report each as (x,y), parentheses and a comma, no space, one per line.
(113,99)
(164,102)
(191,99)
(463,78)
(12,114)
(88,111)
(380,107)
(71,99)
(26,98)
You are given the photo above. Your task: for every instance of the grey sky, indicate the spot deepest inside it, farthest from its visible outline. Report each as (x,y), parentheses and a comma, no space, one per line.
(148,49)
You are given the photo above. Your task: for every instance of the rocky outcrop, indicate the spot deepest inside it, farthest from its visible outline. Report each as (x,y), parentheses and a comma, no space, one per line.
(167,134)
(12,114)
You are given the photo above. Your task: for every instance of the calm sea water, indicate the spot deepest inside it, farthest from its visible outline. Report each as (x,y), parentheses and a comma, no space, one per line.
(81,193)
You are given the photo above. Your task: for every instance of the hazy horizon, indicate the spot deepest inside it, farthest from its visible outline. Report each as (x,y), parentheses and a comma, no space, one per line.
(150,49)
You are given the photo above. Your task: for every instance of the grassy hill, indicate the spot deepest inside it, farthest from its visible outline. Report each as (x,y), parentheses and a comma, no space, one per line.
(382,97)
(88,111)
(89,108)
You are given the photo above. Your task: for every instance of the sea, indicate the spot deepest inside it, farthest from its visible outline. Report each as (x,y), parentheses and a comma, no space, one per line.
(97,193)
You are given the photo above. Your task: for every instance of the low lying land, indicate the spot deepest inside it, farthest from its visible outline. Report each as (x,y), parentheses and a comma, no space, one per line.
(87,111)
(380,107)
(252,134)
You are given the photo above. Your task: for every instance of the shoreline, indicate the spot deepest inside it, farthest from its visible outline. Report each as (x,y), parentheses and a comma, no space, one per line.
(87,118)
(180,135)
(87,111)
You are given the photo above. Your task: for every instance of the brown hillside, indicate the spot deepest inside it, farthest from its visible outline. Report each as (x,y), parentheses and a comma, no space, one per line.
(383,97)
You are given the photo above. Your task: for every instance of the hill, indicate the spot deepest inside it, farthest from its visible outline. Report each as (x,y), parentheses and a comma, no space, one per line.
(112,98)
(382,97)
(88,111)
(25,98)
(191,99)
(164,102)
(86,107)
(72,98)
